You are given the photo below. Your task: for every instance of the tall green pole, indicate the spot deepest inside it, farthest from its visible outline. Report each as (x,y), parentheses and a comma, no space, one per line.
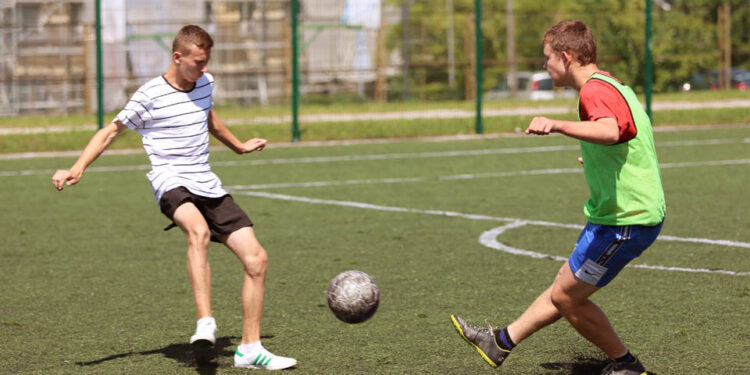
(478,53)
(649,61)
(99,78)
(295,73)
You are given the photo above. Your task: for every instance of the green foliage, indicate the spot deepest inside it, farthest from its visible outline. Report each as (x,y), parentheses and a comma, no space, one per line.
(681,49)
(684,38)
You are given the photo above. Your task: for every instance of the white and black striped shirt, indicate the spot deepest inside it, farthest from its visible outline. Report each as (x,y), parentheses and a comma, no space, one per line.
(174,129)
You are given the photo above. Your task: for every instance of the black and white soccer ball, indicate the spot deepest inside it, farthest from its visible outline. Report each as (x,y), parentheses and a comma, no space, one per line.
(353,296)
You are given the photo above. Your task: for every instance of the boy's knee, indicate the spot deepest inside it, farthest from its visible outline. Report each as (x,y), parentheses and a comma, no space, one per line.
(563,302)
(198,235)
(256,263)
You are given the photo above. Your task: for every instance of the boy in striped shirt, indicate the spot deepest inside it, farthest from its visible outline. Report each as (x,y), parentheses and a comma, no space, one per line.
(174,115)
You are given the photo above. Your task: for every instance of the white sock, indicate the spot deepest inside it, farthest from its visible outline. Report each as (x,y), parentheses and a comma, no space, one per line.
(206,321)
(250,348)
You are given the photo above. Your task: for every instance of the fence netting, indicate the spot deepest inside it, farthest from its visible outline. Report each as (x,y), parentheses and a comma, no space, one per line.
(367,54)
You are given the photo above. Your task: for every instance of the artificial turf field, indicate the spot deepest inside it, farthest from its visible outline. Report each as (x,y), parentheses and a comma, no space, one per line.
(92,285)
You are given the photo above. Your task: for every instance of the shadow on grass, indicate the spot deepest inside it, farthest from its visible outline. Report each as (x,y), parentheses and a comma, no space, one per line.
(203,359)
(580,366)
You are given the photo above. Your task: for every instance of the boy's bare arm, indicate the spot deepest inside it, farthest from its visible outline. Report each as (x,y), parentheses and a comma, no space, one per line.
(603,131)
(98,143)
(222,133)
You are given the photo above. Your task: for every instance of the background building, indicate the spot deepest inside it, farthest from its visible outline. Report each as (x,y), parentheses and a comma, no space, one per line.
(48,57)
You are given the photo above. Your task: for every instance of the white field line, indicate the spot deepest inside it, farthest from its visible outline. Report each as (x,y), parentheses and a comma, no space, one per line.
(350,142)
(489,238)
(464,176)
(347,158)
(406,115)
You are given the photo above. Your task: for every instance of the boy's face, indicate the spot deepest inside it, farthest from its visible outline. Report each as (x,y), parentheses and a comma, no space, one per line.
(192,65)
(555,66)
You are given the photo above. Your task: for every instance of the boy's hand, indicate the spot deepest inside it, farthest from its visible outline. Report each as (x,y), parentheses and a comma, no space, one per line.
(255,144)
(541,126)
(62,176)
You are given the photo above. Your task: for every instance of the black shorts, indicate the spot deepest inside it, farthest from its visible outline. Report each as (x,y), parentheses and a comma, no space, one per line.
(222,214)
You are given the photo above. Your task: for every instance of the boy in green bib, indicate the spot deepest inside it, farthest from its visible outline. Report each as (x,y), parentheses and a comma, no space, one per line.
(625,211)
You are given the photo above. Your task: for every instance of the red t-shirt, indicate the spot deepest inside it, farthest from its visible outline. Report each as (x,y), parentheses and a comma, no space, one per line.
(598,99)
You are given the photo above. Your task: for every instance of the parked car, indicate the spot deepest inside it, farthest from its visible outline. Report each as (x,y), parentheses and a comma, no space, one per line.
(739,80)
(531,85)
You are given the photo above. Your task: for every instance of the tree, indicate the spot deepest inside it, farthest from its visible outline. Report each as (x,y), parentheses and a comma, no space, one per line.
(684,39)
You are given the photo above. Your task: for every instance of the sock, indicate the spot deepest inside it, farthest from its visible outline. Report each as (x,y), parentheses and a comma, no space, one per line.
(206,321)
(627,358)
(502,338)
(250,348)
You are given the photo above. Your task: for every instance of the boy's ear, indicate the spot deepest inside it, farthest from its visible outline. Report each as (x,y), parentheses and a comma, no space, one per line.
(176,57)
(566,57)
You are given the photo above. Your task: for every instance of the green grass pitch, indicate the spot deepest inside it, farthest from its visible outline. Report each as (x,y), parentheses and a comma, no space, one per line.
(92,285)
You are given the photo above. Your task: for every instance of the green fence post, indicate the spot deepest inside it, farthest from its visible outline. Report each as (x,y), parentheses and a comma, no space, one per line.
(295,73)
(99,78)
(648,87)
(478,53)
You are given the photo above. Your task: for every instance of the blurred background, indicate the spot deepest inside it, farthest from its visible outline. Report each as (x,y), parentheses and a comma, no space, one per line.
(357,51)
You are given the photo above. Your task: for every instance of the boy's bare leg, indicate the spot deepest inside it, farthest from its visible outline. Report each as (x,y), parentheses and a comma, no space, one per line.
(245,245)
(569,297)
(192,223)
(538,315)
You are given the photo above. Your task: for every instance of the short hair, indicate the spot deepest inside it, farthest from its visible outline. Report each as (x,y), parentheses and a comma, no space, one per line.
(189,35)
(572,36)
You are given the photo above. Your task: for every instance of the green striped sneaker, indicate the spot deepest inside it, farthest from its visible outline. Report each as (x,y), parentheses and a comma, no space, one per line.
(482,339)
(262,360)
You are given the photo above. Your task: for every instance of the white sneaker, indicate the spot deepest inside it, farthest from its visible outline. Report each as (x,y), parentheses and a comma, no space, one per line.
(262,360)
(205,335)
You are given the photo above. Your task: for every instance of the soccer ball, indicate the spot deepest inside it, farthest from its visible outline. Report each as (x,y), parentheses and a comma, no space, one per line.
(353,296)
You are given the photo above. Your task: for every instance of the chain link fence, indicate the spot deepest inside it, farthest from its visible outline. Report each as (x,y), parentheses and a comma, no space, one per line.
(351,52)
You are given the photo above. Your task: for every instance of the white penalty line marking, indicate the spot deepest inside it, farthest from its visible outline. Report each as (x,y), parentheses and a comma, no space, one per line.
(464,176)
(489,238)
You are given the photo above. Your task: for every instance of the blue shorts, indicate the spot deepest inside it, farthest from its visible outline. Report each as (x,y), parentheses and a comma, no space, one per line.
(602,251)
